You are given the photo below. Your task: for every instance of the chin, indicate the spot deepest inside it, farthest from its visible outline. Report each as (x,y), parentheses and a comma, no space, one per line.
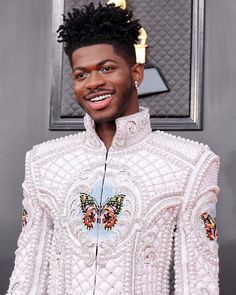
(105,116)
(104,119)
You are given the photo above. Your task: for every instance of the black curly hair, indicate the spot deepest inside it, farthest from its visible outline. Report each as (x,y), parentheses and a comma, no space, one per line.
(102,25)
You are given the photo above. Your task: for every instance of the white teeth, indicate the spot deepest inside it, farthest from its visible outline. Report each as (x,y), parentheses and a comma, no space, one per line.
(99,98)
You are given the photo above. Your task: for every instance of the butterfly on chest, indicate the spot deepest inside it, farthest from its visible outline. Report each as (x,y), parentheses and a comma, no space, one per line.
(105,214)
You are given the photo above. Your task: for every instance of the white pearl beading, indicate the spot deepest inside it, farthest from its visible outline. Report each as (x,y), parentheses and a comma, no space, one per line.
(156,169)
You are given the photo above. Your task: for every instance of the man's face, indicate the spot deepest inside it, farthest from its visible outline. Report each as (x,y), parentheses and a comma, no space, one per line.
(103,83)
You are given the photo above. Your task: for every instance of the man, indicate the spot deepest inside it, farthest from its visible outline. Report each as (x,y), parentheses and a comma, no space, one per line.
(108,209)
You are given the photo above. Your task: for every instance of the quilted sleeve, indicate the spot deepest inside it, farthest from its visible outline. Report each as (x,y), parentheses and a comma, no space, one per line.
(196,248)
(31,260)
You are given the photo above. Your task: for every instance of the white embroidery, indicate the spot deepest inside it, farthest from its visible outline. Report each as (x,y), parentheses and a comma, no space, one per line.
(167,183)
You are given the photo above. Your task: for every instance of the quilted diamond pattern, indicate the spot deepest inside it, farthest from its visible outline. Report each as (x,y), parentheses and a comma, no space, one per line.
(134,256)
(22,260)
(210,178)
(83,277)
(108,278)
(168,142)
(202,266)
(62,171)
(158,175)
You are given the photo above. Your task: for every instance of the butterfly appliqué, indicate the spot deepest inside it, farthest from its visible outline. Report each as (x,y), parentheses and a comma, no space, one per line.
(210,226)
(106,213)
(24,217)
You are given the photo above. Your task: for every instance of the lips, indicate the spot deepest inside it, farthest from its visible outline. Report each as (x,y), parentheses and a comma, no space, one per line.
(97,93)
(99,100)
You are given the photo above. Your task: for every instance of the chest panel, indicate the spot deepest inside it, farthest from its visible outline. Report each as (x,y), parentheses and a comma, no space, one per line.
(110,201)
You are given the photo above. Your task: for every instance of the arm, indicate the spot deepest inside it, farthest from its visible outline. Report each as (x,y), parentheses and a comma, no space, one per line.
(31,265)
(196,248)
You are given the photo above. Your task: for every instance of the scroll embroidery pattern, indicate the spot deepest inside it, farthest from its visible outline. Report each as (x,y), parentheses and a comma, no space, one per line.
(105,214)
(210,226)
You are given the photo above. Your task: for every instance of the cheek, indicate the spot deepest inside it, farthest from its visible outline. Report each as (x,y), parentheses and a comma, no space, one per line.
(124,83)
(77,89)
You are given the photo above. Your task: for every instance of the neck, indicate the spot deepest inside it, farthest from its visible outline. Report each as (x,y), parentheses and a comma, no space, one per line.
(123,132)
(106,132)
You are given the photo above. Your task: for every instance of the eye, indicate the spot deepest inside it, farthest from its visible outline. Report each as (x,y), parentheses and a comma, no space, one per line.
(107,69)
(79,76)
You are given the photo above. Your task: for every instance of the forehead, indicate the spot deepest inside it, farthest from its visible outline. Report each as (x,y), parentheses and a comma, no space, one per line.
(94,54)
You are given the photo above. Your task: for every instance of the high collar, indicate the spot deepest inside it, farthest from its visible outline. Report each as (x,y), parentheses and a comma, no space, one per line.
(130,130)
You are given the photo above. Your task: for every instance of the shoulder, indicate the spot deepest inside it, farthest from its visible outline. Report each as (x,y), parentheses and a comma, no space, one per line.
(185,149)
(57,145)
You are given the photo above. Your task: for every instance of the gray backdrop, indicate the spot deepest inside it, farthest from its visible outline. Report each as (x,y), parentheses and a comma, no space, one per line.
(25,48)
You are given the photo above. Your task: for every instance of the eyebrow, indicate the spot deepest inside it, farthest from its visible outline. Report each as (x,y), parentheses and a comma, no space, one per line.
(102,62)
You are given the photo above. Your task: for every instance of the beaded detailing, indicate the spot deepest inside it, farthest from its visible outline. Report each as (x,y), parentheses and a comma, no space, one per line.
(54,146)
(92,138)
(197,265)
(130,130)
(167,182)
(188,150)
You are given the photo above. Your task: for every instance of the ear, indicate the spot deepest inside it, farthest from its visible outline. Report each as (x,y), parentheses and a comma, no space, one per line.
(137,73)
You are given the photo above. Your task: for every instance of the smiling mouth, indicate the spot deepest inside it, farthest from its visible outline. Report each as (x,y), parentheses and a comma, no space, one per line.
(100,102)
(99,98)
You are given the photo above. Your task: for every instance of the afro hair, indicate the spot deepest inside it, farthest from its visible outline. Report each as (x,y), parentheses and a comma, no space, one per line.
(102,25)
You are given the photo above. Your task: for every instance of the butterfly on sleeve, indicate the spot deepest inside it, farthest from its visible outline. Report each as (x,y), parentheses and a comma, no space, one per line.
(210,226)
(24,217)
(106,213)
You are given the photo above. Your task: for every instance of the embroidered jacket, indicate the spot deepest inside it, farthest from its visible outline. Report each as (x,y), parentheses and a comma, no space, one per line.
(111,222)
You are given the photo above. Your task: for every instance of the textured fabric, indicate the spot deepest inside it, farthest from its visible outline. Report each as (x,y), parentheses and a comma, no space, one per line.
(123,221)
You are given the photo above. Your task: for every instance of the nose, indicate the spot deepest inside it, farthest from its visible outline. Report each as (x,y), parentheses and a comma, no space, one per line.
(95,80)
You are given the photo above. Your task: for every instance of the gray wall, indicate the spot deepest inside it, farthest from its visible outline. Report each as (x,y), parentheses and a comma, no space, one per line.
(25,48)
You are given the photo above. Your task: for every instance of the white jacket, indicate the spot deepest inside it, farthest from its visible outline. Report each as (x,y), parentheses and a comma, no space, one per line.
(109,223)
